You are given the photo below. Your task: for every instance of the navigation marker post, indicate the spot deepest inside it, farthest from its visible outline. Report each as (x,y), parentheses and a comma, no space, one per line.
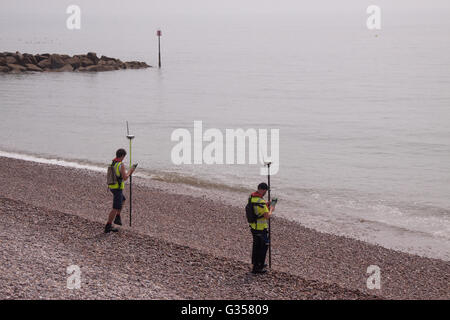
(159,34)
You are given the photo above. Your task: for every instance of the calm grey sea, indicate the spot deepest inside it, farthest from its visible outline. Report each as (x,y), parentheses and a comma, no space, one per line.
(364,116)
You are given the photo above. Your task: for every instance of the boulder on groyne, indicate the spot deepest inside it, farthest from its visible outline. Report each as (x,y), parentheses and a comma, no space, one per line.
(17,63)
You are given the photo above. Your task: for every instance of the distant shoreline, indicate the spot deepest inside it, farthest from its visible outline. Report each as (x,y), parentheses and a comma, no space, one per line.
(215,229)
(17,63)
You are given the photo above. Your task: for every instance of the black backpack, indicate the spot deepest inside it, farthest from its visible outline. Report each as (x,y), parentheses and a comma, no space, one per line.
(250,210)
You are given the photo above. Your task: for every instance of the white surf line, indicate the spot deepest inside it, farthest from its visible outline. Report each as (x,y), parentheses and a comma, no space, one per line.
(62,163)
(57,162)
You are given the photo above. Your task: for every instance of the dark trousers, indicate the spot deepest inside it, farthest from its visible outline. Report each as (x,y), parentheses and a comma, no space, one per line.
(118,199)
(260,246)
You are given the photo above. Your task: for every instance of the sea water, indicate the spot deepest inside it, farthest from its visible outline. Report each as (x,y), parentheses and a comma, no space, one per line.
(363,115)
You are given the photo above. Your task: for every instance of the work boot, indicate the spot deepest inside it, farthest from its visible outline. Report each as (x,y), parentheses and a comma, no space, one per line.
(118,221)
(259,269)
(109,228)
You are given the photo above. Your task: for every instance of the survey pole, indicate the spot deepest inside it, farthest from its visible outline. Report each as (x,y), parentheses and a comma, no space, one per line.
(268,196)
(130,137)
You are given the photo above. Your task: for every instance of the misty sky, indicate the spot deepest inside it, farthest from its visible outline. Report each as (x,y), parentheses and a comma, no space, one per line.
(31,19)
(10,9)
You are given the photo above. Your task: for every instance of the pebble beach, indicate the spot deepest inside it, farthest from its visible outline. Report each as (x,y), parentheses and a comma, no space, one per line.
(178,247)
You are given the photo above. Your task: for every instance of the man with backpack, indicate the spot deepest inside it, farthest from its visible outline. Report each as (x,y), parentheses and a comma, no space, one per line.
(115,177)
(258,215)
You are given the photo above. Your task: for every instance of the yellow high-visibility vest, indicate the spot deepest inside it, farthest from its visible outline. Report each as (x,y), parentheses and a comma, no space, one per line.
(261,223)
(117,171)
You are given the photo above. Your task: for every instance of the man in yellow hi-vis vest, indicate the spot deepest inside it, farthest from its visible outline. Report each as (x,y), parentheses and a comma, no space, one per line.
(117,190)
(259,228)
